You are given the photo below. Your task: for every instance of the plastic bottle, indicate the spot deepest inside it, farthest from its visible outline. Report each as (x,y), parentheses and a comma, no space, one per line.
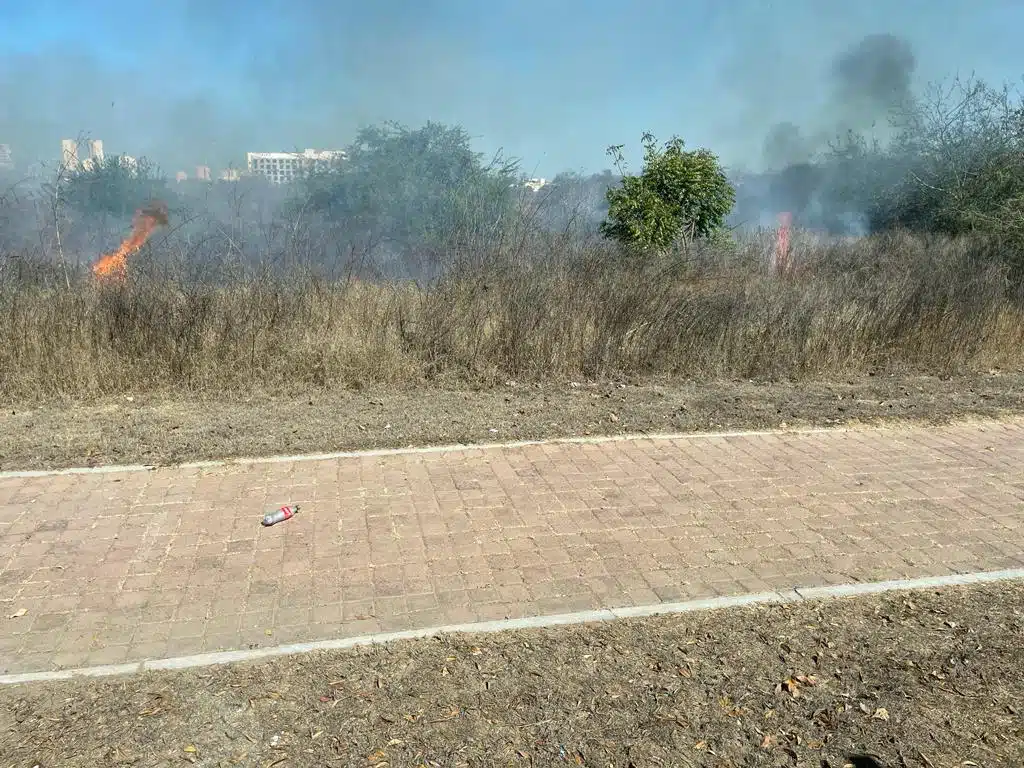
(280,515)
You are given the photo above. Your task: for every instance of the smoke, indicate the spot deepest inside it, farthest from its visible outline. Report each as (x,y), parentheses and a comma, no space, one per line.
(223,78)
(872,78)
(867,83)
(201,82)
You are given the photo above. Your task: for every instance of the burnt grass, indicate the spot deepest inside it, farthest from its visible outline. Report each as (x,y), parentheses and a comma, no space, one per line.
(923,679)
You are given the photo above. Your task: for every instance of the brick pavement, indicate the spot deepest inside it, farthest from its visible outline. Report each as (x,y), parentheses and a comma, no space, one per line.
(124,566)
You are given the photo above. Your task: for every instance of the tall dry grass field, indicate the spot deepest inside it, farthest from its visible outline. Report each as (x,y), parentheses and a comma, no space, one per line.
(923,303)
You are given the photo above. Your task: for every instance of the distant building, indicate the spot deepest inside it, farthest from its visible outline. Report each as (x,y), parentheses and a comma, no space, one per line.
(6,158)
(230,174)
(95,158)
(180,176)
(534,185)
(203,172)
(69,154)
(284,167)
(129,162)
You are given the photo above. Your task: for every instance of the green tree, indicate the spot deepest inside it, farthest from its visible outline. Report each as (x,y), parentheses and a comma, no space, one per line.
(678,193)
(114,187)
(422,187)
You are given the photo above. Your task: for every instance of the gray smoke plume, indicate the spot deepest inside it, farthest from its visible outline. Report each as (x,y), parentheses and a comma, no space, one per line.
(868,81)
(873,78)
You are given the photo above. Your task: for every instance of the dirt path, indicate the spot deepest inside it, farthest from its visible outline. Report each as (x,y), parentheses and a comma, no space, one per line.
(162,431)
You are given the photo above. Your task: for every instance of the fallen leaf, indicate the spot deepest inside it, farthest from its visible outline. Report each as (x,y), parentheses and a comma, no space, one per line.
(701,745)
(766,743)
(18,613)
(880,714)
(379,754)
(191,749)
(790,685)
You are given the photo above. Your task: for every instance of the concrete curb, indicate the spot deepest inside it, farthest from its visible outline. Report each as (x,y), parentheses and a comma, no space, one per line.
(795,595)
(428,449)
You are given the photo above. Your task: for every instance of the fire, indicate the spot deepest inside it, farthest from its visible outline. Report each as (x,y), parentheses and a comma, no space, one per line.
(145,222)
(782,242)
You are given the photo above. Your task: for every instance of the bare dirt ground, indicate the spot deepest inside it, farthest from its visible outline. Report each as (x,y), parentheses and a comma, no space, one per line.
(919,679)
(153,430)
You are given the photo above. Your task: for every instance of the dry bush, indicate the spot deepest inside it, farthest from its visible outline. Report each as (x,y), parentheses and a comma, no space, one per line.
(929,304)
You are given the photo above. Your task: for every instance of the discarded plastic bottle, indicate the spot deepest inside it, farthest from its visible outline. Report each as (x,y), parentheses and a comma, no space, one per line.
(280,515)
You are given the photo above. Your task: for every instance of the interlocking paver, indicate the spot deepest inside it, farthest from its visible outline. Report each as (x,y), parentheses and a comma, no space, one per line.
(123,566)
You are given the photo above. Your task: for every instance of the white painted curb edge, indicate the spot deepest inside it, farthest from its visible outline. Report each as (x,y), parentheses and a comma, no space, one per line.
(411,450)
(795,595)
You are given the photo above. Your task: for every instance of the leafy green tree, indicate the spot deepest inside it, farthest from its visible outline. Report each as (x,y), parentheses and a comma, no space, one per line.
(113,187)
(678,193)
(423,187)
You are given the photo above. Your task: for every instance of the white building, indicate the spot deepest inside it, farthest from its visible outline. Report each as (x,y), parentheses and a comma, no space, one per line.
(283,167)
(69,154)
(535,185)
(70,159)
(6,158)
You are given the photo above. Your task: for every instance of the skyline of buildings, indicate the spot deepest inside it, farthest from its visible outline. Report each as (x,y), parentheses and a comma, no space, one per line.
(275,167)
(285,167)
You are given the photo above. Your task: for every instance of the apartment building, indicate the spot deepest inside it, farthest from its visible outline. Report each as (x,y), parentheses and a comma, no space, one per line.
(284,167)
(69,154)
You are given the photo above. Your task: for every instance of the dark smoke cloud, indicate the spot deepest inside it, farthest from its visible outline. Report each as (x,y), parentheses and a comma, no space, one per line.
(786,145)
(872,78)
(867,82)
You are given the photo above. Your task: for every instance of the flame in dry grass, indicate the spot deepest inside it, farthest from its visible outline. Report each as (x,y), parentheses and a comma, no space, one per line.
(145,223)
(782,242)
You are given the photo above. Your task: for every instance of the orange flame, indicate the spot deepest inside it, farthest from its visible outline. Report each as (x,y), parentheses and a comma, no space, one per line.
(143,225)
(782,242)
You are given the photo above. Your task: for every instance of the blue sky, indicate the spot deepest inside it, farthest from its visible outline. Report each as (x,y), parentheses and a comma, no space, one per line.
(553,82)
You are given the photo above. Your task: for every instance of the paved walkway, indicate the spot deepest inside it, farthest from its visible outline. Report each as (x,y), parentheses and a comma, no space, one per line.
(115,567)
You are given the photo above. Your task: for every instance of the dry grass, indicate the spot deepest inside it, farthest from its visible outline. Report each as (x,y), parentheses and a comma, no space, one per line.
(921,680)
(928,304)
